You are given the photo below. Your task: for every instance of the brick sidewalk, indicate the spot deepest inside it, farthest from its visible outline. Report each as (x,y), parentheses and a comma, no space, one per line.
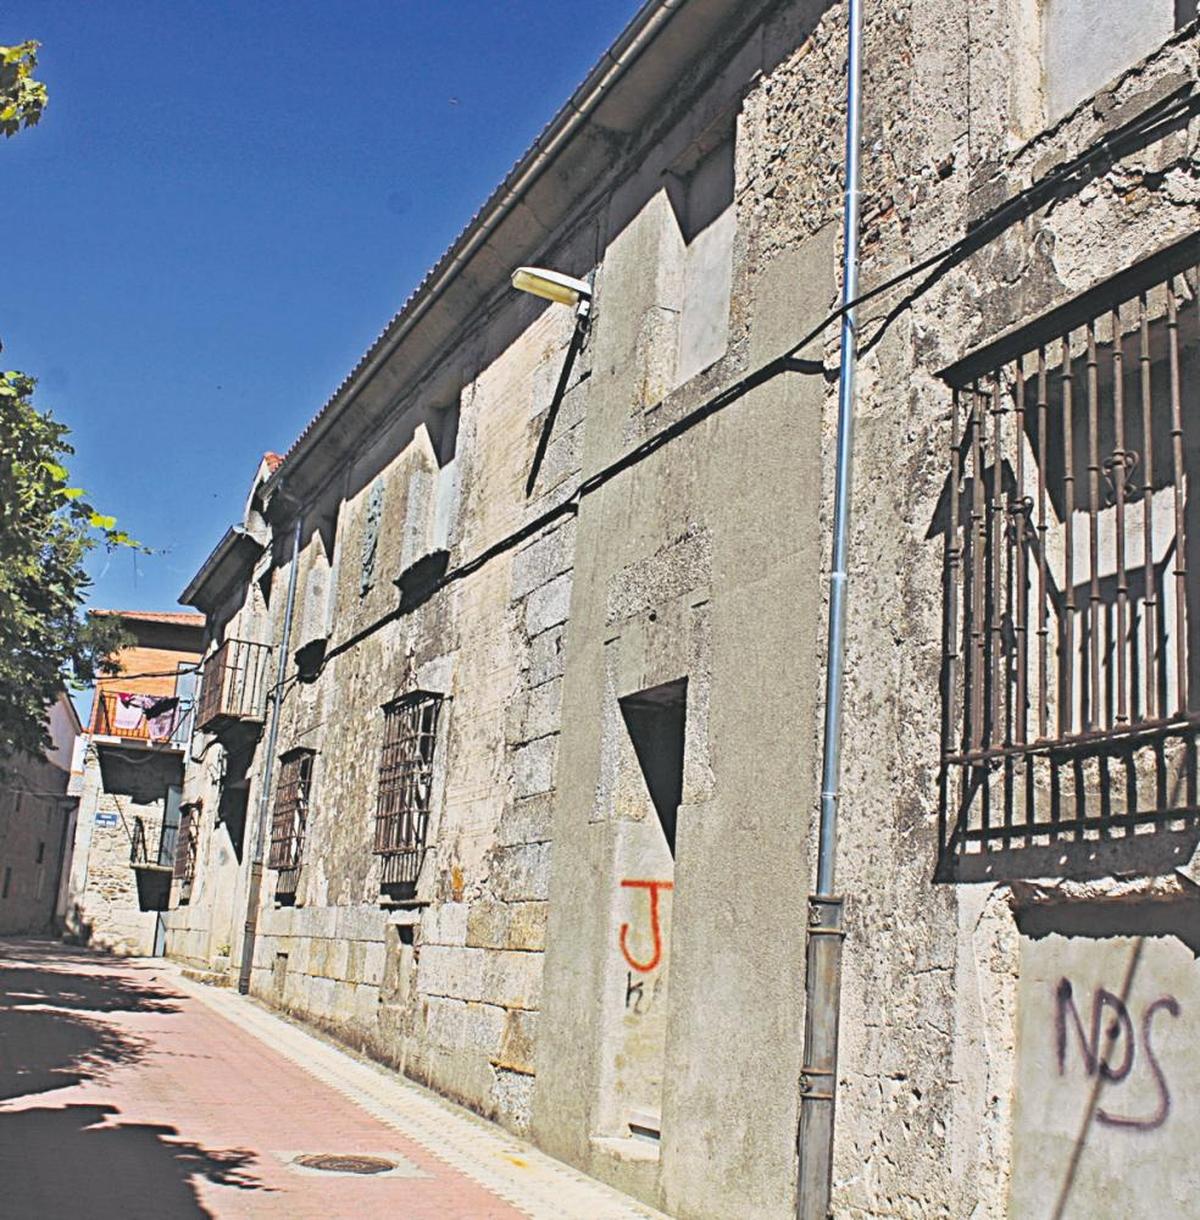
(126,1091)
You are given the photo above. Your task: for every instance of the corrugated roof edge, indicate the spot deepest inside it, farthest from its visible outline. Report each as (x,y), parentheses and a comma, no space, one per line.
(645,25)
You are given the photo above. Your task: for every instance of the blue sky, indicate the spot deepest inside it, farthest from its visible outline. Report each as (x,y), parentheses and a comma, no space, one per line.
(223,206)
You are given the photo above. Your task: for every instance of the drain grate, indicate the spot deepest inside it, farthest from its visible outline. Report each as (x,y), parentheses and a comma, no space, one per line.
(332,1163)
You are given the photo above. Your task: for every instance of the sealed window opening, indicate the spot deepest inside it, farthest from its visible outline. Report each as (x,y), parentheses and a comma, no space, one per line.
(701,186)
(656,719)
(279,970)
(1086,46)
(703,202)
(405,784)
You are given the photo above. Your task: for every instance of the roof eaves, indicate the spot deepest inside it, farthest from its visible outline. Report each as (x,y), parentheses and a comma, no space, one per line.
(645,25)
(221,566)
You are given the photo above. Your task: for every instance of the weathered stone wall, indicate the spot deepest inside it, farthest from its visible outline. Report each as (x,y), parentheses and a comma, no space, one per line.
(930,1036)
(103,905)
(446,987)
(626,984)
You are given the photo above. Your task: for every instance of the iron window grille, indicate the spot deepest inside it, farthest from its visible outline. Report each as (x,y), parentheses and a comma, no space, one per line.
(290,816)
(405,784)
(187,844)
(1071,632)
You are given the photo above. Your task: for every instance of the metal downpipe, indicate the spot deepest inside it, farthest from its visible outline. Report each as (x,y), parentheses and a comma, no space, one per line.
(823,975)
(264,800)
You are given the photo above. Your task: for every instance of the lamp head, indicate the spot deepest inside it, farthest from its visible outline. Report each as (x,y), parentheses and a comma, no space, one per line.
(553,286)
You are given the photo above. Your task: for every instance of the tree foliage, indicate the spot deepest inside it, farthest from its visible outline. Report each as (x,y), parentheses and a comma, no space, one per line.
(22,99)
(47,527)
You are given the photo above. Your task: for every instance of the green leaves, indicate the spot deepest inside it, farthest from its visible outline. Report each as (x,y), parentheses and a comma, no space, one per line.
(47,528)
(22,99)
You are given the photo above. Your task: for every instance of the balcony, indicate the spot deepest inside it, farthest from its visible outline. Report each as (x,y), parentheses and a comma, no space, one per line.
(234,686)
(166,722)
(153,873)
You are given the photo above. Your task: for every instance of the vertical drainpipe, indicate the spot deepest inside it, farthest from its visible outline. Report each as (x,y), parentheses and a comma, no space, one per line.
(823,974)
(264,799)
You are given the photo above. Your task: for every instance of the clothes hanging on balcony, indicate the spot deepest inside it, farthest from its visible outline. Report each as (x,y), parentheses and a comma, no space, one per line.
(162,717)
(161,713)
(129,713)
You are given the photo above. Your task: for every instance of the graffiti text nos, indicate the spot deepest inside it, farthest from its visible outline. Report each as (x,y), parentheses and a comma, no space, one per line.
(1110,1044)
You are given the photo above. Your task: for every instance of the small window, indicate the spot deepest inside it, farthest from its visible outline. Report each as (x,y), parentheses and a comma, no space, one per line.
(291,812)
(186,843)
(41,852)
(405,781)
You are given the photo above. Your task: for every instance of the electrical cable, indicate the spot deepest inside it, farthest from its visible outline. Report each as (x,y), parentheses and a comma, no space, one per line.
(1143,126)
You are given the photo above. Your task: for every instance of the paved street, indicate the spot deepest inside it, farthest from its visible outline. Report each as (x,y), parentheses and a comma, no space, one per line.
(127,1091)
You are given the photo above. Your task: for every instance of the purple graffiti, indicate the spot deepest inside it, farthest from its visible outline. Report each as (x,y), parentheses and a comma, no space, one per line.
(1109,1046)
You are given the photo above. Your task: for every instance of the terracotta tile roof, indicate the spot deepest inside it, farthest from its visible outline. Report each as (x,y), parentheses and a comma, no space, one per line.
(273,461)
(179,618)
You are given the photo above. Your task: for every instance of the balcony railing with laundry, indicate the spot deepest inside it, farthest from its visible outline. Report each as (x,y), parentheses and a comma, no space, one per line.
(157,720)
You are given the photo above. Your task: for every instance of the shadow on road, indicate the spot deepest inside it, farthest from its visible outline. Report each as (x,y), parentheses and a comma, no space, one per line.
(76,1161)
(56,1030)
(42,1050)
(52,1031)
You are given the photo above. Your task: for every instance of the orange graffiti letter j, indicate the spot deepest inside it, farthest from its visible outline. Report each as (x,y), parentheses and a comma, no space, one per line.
(655,927)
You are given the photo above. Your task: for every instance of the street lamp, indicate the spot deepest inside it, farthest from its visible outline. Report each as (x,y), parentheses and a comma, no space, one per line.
(566,290)
(554,286)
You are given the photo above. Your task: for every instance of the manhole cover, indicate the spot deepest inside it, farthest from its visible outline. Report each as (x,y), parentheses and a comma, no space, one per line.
(331,1163)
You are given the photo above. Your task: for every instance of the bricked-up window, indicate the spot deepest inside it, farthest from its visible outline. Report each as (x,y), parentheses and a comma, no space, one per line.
(405,780)
(186,843)
(291,811)
(1071,647)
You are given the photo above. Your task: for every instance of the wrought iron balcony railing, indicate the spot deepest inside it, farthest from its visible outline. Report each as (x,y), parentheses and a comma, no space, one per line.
(233,687)
(153,872)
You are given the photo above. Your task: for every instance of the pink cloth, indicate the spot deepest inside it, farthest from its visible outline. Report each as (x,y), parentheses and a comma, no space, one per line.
(162,718)
(160,712)
(129,713)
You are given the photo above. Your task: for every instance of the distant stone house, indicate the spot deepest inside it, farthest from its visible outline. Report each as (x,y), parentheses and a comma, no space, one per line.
(510,719)
(129,780)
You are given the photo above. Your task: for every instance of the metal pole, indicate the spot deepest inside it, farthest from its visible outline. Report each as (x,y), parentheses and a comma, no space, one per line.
(264,799)
(818,1080)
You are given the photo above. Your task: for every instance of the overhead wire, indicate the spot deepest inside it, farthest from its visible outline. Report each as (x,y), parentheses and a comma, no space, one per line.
(1146,124)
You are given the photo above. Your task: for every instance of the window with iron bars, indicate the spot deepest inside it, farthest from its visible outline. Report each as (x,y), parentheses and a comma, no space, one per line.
(290,816)
(405,782)
(1070,675)
(187,843)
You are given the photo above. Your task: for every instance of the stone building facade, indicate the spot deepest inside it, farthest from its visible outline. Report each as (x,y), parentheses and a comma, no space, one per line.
(510,732)
(37,827)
